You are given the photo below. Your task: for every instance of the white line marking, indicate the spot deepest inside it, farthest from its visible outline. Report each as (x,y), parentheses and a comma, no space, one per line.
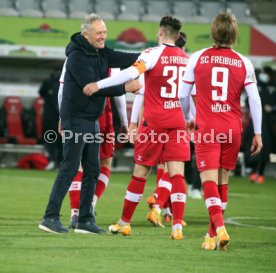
(233,221)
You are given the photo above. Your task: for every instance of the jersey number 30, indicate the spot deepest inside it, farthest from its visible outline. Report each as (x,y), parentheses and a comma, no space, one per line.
(223,84)
(176,75)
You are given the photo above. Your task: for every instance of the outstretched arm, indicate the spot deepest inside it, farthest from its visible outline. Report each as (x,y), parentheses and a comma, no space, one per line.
(255,106)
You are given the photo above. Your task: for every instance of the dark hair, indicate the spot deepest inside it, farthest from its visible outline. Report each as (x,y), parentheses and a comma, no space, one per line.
(171,25)
(181,41)
(224,29)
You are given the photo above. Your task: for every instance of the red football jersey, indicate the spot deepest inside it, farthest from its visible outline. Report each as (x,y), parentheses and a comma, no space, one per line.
(220,75)
(165,67)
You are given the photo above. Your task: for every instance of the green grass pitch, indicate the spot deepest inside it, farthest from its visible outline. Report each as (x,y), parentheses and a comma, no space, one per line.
(26,249)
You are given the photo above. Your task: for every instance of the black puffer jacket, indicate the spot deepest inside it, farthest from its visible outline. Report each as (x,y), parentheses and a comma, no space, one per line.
(84,65)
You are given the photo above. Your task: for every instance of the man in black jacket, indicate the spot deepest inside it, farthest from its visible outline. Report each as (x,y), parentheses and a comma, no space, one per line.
(88,60)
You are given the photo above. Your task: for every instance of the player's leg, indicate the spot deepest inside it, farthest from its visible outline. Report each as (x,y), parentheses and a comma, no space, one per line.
(164,190)
(103,179)
(133,196)
(229,155)
(159,174)
(74,196)
(178,197)
(175,152)
(146,154)
(213,203)
(106,154)
(208,163)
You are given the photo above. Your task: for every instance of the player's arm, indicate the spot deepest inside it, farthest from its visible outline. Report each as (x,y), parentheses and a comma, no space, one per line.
(120,103)
(186,88)
(123,76)
(61,84)
(144,63)
(255,106)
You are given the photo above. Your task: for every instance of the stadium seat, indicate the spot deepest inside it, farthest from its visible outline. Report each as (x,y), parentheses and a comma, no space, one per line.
(54,8)
(55,14)
(211,9)
(8,12)
(14,107)
(3,126)
(184,10)
(106,9)
(78,14)
(30,8)
(80,8)
(132,10)
(38,108)
(156,10)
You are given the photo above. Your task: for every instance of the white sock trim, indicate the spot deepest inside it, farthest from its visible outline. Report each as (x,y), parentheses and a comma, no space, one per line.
(178,197)
(133,197)
(165,184)
(103,178)
(212,201)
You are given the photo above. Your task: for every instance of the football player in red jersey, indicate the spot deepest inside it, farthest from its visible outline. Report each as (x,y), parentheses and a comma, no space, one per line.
(161,197)
(220,75)
(163,67)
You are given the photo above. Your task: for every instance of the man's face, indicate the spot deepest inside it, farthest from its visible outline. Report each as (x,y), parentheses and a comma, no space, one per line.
(96,35)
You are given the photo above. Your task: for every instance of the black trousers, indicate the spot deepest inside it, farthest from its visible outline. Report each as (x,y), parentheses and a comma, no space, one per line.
(77,149)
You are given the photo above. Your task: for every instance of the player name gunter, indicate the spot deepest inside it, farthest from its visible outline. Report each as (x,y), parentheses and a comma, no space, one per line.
(220,60)
(173,60)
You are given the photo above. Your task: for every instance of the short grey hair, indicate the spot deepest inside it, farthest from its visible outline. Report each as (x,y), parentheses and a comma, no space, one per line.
(88,20)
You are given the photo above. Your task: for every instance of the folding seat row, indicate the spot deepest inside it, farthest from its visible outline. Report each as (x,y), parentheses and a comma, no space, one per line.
(19,125)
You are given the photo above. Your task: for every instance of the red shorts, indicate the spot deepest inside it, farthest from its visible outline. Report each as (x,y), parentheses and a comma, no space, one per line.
(108,145)
(153,144)
(215,154)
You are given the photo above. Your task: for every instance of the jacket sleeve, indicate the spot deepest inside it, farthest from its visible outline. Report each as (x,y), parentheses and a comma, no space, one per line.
(113,91)
(78,66)
(120,59)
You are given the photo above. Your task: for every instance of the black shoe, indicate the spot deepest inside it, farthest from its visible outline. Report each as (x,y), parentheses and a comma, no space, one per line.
(73,221)
(89,227)
(52,225)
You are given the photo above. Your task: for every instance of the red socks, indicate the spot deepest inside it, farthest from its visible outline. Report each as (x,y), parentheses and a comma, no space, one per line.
(223,193)
(74,191)
(164,190)
(178,198)
(159,174)
(213,203)
(102,181)
(133,196)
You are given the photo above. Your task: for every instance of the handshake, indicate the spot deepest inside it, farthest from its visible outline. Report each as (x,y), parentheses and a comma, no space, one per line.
(130,86)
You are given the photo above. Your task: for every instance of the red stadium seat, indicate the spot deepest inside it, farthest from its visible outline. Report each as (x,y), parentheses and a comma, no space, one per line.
(13,107)
(3,126)
(38,108)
